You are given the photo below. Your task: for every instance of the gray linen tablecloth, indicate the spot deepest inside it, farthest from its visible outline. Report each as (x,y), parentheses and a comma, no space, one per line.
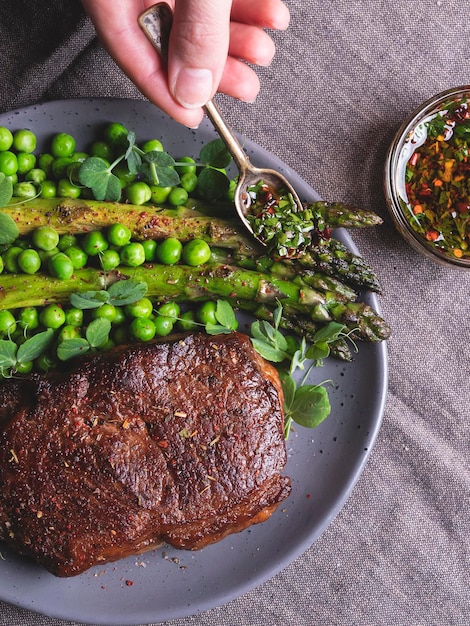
(345,76)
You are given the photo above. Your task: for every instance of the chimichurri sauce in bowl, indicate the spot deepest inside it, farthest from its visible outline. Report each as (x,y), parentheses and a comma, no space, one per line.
(427,178)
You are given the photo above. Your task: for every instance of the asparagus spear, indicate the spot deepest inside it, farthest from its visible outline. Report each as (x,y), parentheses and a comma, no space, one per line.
(333,258)
(181,283)
(166,282)
(338,214)
(79,216)
(69,215)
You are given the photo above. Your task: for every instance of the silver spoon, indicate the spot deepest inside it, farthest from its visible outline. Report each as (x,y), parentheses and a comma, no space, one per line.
(156,23)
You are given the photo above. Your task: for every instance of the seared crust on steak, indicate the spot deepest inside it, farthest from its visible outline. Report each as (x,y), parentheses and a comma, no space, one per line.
(179,441)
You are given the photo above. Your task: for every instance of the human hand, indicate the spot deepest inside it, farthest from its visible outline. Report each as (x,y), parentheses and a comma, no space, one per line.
(211,43)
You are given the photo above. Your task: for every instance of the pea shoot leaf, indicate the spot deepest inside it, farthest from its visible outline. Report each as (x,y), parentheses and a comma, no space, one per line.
(268,352)
(89,299)
(163,176)
(289,387)
(310,406)
(8,350)
(70,348)
(212,184)
(215,154)
(225,315)
(134,162)
(125,292)
(97,332)
(96,174)
(318,351)
(329,333)
(8,229)
(160,158)
(34,346)
(269,341)
(6,193)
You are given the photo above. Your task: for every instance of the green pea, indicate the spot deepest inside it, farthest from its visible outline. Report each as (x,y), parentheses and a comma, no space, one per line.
(187,321)
(121,334)
(69,331)
(26,162)
(73,173)
(7,323)
(133,254)
(102,150)
(24,140)
(143,329)
(205,313)
(59,166)
(125,176)
(118,235)
(142,308)
(189,182)
(25,190)
(10,258)
(152,145)
(109,260)
(138,193)
(74,317)
(25,367)
(78,256)
(150,249)
(45,238)
(106,311)
(48,189)
(189,166)
(178,196)
(169,309)
(67,240)
(196,252)
(169,251)
(120,316)
(8,163)
(61,266)
(52,316)
(163,326)
(45,162)
(159,195)
(62,145)
(115,134)
(28,318)
(36,175)
(66,189)
(94,242)
(45,255)
(45,362)
(6,138)
(29,261)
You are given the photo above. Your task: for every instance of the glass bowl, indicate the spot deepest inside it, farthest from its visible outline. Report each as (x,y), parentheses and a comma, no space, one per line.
(427,178)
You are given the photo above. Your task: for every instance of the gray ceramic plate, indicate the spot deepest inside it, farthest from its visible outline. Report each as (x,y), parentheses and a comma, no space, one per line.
(324,464)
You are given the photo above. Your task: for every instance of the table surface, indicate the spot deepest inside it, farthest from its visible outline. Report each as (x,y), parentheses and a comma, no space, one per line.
(346,74)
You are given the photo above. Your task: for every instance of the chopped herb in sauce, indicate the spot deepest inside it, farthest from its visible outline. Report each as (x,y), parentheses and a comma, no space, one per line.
(276,220)
(437,181)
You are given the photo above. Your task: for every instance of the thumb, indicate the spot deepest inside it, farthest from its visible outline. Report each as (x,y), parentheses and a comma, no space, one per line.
(198,49)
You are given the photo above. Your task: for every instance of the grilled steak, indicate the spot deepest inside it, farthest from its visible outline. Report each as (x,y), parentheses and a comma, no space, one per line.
(177,442)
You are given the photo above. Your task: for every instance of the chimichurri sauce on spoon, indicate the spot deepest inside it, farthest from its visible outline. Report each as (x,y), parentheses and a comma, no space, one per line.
(436,201)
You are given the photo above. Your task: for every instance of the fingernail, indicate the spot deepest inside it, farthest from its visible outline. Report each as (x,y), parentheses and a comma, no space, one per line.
(193,87)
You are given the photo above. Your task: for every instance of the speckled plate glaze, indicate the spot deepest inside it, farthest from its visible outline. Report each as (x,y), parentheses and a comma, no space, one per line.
(324,464)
